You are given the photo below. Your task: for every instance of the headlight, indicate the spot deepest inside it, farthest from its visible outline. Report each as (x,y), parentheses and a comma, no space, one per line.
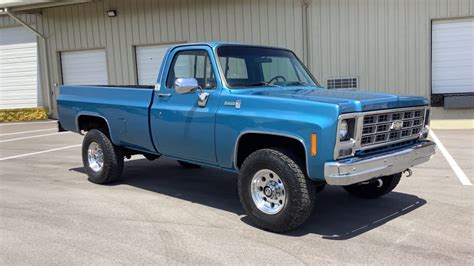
(343,130)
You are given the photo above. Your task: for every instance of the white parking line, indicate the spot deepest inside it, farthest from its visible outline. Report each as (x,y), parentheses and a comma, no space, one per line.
(30,131)
(457,170)
(28,123)
(39,152)
(37,136)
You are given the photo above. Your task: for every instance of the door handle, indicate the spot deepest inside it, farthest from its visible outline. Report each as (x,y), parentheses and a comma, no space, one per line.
(164,94)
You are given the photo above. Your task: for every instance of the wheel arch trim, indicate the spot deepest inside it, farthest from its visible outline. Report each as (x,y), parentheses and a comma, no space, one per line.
(78,115)
(262,132)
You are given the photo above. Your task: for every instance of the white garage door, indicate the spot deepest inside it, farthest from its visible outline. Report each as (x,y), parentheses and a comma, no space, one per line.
(453,56)
(88,67)
(149,61)
(18,68)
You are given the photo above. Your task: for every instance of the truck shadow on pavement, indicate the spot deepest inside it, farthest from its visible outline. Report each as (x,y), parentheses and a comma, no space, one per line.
(337,215)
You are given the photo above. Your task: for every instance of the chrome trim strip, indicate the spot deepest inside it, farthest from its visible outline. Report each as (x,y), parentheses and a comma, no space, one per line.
(395,110)
(359,125)
(268,133)
(353,143)
(375,145)
(355,170)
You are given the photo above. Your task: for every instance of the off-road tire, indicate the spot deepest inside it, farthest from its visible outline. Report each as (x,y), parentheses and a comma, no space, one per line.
(188,165)
(371,191)
(113,158)
(298,188)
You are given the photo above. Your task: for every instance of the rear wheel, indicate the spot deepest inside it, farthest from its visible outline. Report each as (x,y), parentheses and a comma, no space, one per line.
(102,160)
(374,188)
(188,165)
(274,191)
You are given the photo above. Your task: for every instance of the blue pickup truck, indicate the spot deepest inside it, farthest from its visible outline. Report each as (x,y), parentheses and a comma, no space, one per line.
(256,111)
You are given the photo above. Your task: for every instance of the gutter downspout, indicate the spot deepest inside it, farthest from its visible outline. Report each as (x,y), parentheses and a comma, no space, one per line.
(305,16)
(44,55)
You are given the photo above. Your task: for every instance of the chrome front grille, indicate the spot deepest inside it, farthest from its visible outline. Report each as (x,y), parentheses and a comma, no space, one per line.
(391,126)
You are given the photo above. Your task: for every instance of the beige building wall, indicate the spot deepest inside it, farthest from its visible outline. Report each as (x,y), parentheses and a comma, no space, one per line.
(385,43)
(146,22)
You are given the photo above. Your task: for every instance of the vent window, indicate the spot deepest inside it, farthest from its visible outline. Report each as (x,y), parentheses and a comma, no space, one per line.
(342,83)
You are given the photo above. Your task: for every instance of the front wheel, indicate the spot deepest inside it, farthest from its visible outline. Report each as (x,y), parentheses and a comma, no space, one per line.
(374,188)
(102,160)
(274,191)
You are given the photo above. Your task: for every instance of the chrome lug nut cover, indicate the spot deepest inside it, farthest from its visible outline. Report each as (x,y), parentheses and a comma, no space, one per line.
(268,192)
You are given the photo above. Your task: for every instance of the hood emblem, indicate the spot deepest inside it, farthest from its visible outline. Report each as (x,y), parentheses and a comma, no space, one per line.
(236,104)
(396,125)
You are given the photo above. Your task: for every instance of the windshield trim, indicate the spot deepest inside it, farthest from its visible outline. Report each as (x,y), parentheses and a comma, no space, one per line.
(224,79)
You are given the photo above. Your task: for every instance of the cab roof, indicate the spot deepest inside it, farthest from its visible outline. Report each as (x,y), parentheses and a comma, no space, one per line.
(218,44)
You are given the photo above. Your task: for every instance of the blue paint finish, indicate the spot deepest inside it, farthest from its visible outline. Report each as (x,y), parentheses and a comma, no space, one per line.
(177,127)
(276,115)
(349,101)
(180,128)
(125,109)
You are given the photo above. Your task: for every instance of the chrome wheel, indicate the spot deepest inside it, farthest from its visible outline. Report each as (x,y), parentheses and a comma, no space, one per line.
(95,157)
(268,192)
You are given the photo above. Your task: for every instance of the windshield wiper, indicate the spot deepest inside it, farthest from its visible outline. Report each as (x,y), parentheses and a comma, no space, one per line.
(293,83)
(260,84)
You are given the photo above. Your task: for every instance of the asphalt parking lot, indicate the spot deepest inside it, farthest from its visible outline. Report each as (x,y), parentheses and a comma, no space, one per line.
(162,213)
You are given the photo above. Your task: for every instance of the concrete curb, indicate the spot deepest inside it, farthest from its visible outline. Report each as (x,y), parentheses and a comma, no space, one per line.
(452,124)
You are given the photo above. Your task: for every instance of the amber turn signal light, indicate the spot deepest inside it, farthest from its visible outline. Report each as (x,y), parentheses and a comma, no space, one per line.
(313,144)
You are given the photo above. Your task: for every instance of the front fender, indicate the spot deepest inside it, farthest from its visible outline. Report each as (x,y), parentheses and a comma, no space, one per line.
(283,117)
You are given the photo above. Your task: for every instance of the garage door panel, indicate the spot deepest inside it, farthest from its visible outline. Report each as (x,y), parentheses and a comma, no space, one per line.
(467,43)
(6,83)
(453,63)
(19,103)
(88,67)
(28,54)
(18,75)
(29,61)
(463,89)
(449,25)
(455,82)
(149,60)
(455,73)
(18,68)
(446,36)
(13,47)
(23,94)
(15,71)
(453,56)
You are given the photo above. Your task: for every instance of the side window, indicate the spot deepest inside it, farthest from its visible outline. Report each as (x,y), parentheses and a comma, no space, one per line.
(192,64)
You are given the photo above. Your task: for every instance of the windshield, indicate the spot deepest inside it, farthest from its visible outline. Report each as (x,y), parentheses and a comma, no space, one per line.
(247,66)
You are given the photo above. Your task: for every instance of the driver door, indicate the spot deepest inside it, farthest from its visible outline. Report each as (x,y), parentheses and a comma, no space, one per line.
(180,127)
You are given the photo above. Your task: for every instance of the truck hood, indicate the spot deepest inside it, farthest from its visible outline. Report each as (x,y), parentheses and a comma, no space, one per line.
(348,100)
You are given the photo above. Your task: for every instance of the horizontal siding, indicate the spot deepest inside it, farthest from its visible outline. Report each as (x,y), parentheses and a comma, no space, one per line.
(385,43)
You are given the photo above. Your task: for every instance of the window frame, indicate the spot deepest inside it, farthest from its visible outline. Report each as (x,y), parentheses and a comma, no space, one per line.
(228,86)
(206,59)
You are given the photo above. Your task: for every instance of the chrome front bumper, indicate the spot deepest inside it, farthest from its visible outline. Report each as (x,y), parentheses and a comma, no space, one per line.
(355,170)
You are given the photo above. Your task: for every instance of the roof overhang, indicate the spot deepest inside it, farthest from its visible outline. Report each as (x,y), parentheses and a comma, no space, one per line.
(31,5)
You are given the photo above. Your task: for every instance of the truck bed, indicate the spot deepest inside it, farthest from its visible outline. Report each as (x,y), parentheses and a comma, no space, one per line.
(125,109)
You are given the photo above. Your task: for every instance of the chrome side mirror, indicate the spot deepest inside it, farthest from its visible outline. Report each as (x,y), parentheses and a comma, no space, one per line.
(185,85)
